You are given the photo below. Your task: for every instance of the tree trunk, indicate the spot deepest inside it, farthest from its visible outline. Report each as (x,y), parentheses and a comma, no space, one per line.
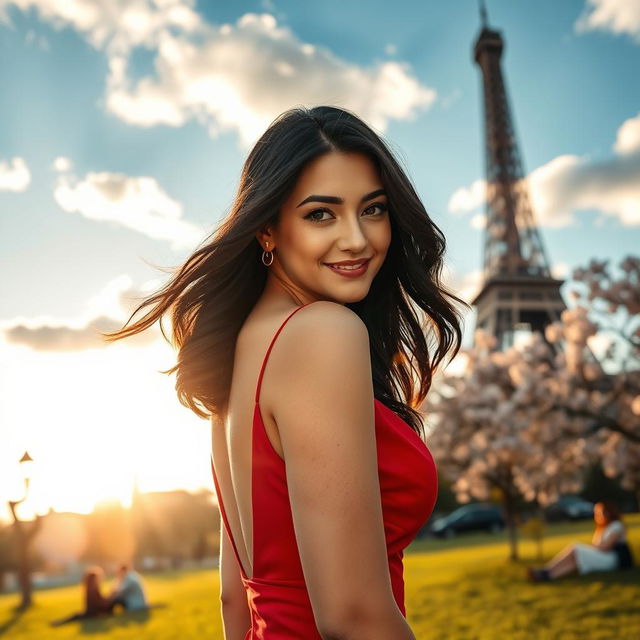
(24,574)
(541,534)
(24,538)
(508,506)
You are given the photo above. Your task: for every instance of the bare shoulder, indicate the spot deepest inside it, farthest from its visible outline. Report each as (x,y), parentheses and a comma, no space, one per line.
(329,322)
(324,335)
(323,339)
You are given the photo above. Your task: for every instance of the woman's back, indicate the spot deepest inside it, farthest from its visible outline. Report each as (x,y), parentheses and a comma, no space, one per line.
(260,515)
(233,466)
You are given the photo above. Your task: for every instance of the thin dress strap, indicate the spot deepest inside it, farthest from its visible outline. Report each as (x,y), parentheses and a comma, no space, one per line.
(223,511)
(264,362)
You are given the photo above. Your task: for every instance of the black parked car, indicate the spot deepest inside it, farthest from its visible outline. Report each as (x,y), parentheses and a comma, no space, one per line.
(569,508)
(470,517)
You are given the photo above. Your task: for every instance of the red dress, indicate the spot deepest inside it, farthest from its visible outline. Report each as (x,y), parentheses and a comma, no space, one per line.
(277,595)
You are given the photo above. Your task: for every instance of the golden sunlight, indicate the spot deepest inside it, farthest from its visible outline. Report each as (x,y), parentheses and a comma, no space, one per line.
(96,423)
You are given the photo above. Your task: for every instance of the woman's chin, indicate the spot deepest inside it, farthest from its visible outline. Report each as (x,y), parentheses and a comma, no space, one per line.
(352,299)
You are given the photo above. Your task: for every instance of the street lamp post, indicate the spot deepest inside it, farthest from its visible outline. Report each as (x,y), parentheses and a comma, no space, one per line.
(25,533)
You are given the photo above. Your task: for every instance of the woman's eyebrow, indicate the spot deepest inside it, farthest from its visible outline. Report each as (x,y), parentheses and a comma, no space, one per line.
(336,200)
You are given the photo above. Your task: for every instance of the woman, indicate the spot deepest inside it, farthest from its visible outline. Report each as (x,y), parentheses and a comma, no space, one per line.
(608,549)
(95,604)
(324,479)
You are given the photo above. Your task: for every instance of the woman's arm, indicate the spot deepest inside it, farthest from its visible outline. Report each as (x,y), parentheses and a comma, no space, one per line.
(236,618)
(327,429)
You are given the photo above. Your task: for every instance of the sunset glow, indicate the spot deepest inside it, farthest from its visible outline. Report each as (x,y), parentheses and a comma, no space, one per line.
(96,422)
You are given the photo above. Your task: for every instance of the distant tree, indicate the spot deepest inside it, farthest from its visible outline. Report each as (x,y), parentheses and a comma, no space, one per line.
(24,533)
(172,524)
(200,547)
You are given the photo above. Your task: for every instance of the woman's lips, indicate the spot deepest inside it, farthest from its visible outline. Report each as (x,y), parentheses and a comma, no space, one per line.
(348,271)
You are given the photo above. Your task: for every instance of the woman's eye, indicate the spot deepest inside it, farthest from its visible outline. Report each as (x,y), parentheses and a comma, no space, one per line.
(381,205)
(312,214)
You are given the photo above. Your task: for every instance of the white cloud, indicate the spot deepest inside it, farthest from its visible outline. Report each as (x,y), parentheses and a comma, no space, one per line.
(616,16)
(228,77)
(138,203)
(40,334)
(14,175)
(555,190)
(628,137)
(478,221)
(239,77)
(114,25)
(571,183)
(469,198)
(106,311)
(118,297)
(62,164)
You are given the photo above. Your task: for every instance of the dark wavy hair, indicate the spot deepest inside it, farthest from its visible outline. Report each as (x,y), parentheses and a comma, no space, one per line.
(611,511)
(211,294)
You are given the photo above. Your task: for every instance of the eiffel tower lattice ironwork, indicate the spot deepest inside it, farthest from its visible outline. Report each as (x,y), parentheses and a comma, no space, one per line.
(518,291)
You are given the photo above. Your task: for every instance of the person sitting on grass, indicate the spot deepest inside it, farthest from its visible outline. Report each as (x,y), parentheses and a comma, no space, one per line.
(129,591)
(95,603)
(608,550)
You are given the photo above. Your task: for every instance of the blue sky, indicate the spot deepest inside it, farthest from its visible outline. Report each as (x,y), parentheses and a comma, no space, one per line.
(125,125)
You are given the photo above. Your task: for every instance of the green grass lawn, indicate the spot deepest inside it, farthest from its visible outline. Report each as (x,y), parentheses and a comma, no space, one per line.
(460,589)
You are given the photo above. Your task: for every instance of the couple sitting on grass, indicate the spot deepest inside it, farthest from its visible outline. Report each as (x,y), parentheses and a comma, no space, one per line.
(608,550)
(128,593)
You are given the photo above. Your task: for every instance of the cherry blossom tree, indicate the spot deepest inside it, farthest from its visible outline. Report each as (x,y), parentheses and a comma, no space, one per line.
(494,429)
(527,421)
(606,395)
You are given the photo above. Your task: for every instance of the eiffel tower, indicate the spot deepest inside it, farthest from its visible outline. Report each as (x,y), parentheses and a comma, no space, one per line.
(518,292)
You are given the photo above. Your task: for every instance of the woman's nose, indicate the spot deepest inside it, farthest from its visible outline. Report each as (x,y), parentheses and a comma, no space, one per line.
(352,237)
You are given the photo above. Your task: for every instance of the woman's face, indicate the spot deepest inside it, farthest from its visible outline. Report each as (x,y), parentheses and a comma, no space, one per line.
(337,211)
(599,513)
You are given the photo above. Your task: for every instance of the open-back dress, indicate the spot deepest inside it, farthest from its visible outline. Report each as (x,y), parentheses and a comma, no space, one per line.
(276,592)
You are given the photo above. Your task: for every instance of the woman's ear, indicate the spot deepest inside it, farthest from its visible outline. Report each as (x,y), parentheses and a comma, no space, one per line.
(265,239)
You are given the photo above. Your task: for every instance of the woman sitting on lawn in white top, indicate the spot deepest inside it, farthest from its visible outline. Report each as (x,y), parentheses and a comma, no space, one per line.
(608,549)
